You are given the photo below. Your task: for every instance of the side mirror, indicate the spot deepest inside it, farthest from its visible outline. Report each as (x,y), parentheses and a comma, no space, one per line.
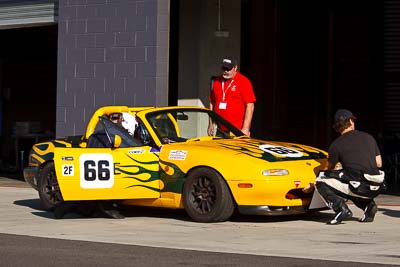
(182,117)
(117,141)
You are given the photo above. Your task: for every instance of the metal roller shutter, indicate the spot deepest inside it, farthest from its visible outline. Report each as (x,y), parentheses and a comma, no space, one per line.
(22,13)
(392,66)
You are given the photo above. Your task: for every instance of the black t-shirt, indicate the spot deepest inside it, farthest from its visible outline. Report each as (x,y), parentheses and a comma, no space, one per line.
(356,150)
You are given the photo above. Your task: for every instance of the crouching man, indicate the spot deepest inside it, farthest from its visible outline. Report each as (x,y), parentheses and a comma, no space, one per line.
(360,180)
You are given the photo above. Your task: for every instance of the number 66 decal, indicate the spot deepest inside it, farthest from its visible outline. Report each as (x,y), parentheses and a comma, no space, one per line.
(96,170)
(281,151)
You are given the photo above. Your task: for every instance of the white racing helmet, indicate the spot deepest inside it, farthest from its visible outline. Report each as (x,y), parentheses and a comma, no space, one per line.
(129,122)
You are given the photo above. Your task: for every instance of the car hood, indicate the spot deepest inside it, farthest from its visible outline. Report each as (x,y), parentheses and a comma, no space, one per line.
(271,151)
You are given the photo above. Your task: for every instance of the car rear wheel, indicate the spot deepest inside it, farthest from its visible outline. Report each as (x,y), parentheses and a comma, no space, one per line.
(206,196)
(49,190)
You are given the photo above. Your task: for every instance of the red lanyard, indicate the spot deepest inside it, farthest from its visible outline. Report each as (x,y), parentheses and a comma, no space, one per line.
(227,88)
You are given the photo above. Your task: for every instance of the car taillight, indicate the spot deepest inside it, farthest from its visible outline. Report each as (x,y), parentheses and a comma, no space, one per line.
(31,160)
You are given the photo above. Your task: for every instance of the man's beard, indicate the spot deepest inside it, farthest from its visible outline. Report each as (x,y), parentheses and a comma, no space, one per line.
(227,76)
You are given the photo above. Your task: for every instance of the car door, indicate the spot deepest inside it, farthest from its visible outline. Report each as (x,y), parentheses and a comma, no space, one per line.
(106,173)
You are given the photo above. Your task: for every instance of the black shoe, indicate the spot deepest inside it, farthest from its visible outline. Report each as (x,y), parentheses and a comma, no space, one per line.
(344,214)
(109,209)
(113,213)
(61,209)
(59,213)
(369,213)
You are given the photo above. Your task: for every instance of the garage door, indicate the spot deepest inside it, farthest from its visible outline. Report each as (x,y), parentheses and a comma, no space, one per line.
(392,66)
(22,13)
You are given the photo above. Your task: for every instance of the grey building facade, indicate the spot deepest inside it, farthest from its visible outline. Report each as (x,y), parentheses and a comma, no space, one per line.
(109,53)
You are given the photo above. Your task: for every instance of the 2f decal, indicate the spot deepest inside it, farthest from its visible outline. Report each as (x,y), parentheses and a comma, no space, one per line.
(68,170)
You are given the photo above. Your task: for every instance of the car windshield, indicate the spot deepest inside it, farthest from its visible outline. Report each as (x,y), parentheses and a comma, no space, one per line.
(180,125)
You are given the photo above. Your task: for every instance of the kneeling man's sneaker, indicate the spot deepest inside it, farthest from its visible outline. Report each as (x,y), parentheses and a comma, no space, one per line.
(369,213)
(344,214)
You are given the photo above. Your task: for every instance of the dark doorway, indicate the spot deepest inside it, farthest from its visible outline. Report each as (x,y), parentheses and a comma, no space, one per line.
(28,80)
(308,58)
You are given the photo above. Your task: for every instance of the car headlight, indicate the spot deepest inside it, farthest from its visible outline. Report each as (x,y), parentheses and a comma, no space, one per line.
(275,172)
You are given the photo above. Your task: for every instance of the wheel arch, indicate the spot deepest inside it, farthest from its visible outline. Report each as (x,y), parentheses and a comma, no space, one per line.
(219,173)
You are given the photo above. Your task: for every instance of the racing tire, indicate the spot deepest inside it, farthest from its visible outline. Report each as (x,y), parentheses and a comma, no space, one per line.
(49,190)
(206,197)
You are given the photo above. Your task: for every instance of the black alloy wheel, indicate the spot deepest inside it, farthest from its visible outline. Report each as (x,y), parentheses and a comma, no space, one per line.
(49,190)
(207,197)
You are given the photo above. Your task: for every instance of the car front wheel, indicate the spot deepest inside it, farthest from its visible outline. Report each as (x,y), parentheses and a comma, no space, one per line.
(49,190)
(206,196)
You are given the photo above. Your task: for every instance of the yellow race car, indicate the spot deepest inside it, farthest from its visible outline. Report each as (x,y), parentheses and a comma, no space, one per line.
(174,157)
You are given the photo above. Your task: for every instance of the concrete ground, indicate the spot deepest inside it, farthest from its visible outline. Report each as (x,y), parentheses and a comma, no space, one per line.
(294,236)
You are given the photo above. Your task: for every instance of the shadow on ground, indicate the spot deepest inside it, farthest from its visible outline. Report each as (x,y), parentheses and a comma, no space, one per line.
(132,211)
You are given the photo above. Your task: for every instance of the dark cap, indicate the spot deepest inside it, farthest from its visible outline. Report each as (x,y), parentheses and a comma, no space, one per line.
(117,116)
(343,114)
(228,63)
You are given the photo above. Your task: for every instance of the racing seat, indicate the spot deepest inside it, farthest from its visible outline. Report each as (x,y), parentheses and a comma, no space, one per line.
(165,128)
(141,134)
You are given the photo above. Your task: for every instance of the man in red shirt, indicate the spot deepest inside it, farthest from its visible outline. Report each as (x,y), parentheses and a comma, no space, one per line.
(232,97)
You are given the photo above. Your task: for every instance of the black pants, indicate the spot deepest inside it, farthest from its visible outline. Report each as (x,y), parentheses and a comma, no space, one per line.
(337,198)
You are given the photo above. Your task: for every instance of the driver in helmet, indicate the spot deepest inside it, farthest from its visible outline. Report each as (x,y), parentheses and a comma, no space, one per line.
(129,122)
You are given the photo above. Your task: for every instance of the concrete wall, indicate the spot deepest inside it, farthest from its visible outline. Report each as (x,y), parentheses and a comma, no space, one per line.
(109,53)
(200,49)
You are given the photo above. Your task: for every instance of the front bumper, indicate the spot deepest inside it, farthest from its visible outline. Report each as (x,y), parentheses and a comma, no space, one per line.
(31,176)
(272,210)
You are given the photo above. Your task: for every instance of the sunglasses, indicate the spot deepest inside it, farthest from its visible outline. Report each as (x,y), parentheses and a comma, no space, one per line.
(226,69)
(115,116)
